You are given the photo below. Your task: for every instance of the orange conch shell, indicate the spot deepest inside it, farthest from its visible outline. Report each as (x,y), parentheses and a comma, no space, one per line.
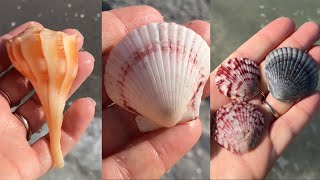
(49,59)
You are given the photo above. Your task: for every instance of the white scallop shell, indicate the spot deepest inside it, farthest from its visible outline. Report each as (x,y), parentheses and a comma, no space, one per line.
(158,72)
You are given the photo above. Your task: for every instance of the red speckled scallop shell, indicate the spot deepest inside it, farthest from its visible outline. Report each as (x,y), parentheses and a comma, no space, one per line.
(238,79)
(238,126)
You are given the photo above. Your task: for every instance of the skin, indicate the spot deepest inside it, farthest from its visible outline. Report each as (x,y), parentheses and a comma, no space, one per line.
(278,133)
(18,159)
(128,154)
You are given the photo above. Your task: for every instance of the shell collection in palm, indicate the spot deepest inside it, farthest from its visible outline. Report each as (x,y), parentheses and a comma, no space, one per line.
(291,74)
(238,124)
(49,59)
(158,72)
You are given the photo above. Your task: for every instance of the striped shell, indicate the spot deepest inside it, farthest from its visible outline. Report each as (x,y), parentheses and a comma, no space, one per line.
(158,72)
(291,74)
(238,79)
(238,126)
(49,59)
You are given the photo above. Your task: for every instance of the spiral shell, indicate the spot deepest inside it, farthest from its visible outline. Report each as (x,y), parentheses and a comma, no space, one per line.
(238,79)
(158,72)
(238,126)
(291,74)
(49,59)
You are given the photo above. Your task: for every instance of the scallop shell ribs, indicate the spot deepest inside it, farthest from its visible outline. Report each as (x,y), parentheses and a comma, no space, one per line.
(158,72)
(239,126)
(239,79)
(291,74)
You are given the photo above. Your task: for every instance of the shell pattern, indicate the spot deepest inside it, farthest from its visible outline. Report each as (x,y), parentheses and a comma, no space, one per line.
(239,126)
(49,59)
(291,74)
(238,78)
(158,72)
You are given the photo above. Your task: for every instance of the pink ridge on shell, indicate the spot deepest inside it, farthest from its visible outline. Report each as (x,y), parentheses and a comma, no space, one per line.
(238,78)
(238,126)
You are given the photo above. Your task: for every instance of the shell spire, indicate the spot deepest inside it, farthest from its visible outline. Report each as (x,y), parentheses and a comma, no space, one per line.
(49,59)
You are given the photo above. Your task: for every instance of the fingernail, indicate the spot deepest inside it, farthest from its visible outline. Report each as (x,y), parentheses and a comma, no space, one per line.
(93,102)
(89,59)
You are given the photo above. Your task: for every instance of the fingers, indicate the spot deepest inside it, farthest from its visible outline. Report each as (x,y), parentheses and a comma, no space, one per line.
(76,120)
(268,38)
(159,148)
(85,68)
(256,48)
(290,124)
(16,86)
(200,27)
(203,29)
(314,53)
(116,24)
(304,37)
(32,109)
(118,123)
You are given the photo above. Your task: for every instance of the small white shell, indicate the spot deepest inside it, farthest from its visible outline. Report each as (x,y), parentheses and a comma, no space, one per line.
(291,74)
(158,72)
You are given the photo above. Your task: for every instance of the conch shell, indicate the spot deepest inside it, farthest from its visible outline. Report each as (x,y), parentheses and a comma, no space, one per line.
(49,59)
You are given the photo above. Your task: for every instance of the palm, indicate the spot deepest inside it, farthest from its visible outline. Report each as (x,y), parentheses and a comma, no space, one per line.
(18,156)
(277,134)
(117,123)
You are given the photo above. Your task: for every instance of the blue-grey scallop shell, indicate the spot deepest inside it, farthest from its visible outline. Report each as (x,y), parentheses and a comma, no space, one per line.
(291,74)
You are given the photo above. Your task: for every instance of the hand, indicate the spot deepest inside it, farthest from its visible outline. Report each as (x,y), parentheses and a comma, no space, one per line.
(277,134)
(128,153)
(18,159)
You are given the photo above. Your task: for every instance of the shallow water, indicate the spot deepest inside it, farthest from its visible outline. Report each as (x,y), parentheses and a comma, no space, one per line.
(233,22)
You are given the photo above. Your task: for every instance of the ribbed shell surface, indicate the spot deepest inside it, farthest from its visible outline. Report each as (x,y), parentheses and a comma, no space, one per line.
(49,59)
(238,126)
(159,71)
(291,74)
(238,78)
